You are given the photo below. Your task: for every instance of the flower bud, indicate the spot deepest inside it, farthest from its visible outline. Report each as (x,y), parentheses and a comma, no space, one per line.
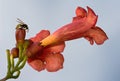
(15,52)
(20,35)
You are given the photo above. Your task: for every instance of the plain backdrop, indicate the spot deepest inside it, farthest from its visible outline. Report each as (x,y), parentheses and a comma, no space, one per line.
(83,62)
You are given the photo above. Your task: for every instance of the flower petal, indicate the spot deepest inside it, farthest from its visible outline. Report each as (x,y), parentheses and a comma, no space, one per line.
(41,35)
(96,34)
(91,17)
(51,49)
(80,13)
(36,64)
(54,62)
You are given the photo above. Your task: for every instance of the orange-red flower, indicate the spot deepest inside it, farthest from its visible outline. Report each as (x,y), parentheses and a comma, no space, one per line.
(49,57)
(45,51)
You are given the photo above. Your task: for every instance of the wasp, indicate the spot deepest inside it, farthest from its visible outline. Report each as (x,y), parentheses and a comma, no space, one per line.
(22,25)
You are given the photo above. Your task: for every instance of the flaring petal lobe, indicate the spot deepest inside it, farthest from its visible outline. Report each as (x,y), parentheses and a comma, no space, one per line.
(54,62)
(36,64)
(41,35)
(96,34)
(81,12)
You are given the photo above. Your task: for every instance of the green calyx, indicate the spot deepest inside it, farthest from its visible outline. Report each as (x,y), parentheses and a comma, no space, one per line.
(14,68)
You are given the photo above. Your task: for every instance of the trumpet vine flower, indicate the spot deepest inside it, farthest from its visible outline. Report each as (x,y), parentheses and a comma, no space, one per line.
(46,49)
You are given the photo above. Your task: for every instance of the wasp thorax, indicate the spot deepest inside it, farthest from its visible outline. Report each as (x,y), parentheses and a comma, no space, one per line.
(22,26)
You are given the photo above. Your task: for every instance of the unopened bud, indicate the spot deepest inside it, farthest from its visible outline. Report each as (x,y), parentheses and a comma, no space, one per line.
(20,35)
(15,52)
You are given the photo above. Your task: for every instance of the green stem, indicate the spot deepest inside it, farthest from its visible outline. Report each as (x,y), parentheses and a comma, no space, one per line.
(23,63)
(21,58)
(8,59)
(14,69)
(12,61)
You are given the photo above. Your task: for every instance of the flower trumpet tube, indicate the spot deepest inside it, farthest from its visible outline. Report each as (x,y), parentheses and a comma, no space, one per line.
(71,30)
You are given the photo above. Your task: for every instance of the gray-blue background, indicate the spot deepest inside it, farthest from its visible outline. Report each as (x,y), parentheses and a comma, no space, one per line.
(83,62)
